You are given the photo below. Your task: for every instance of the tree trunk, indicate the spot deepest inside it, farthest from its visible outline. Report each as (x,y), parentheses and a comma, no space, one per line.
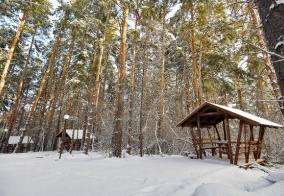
(65,126)
(57,129)
(11,53)
(132,91)
(240,93)
(94,115)
(119,116)
(15,110)
(272,17)
(261,40)
(161,111)
(200,82)
(59,86)
(50,64)
(187,86)
(144,94)
(84,145)
(194,58)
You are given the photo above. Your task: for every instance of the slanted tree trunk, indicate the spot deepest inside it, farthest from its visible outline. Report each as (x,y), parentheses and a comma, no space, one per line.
(266,60)
(194,58)
(59,86)
(12,51)
(15,110)
(86,138)
(57,129)
(240,92)
(93,119)
(272,18)
(40,89)
(187,86)
(119,115)
(65,126)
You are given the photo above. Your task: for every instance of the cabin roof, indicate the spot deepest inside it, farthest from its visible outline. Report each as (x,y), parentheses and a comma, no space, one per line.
(211,114)
(15,140)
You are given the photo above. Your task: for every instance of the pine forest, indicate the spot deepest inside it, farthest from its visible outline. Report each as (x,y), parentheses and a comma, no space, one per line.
(126,72)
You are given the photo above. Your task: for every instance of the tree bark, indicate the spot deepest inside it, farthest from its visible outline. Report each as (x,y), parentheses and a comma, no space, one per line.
(65,126)
(50,64)
(59,86)
(84,142)
(161,111)
(132,91)
(194,58)
(15,110)
(119,116)
(261,41)
(272,19)
(11,53)
(187,86)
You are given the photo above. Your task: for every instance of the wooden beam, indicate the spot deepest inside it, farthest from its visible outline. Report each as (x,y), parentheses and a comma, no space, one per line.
(238,142)
(251,133)
(246,153)
(260,140)
(229,139)
(216,129)
(252,140)
(199,135)
(211,114)
(194,141)
(224,130)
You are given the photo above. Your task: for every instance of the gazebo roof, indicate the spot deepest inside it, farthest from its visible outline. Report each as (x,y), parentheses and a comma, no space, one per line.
(211,114)
(78,134)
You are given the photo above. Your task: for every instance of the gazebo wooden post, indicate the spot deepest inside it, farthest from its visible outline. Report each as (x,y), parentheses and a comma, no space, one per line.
(199,135)
(224,130)
(238,143)
(230,155)
(246,147)
(219,138)
(251,133)
(194,141)
(252,140)
(260,141)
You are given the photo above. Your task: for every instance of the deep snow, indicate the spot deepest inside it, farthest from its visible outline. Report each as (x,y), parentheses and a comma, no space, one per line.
(78,174)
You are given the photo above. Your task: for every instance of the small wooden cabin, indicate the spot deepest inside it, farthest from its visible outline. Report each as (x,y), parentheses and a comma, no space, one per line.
(210,129)
(78,135)
(13,141)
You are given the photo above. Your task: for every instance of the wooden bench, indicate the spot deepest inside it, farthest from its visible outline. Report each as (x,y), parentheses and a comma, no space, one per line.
(208,144)
(247,147)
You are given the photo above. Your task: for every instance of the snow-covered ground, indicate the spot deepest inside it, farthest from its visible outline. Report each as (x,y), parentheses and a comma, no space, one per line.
(43,174)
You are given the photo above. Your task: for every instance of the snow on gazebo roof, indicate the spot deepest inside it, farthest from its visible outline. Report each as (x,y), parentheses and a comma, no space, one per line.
(211,114)
(78,133)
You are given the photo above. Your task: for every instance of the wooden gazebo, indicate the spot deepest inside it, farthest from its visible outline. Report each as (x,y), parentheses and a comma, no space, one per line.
(76,134)
(212,117)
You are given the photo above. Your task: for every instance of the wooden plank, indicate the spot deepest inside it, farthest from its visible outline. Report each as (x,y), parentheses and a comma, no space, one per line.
(211,114)
(194,141)
(230,155)
(199,135)
(216,129)
(238,142)
(247,165)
